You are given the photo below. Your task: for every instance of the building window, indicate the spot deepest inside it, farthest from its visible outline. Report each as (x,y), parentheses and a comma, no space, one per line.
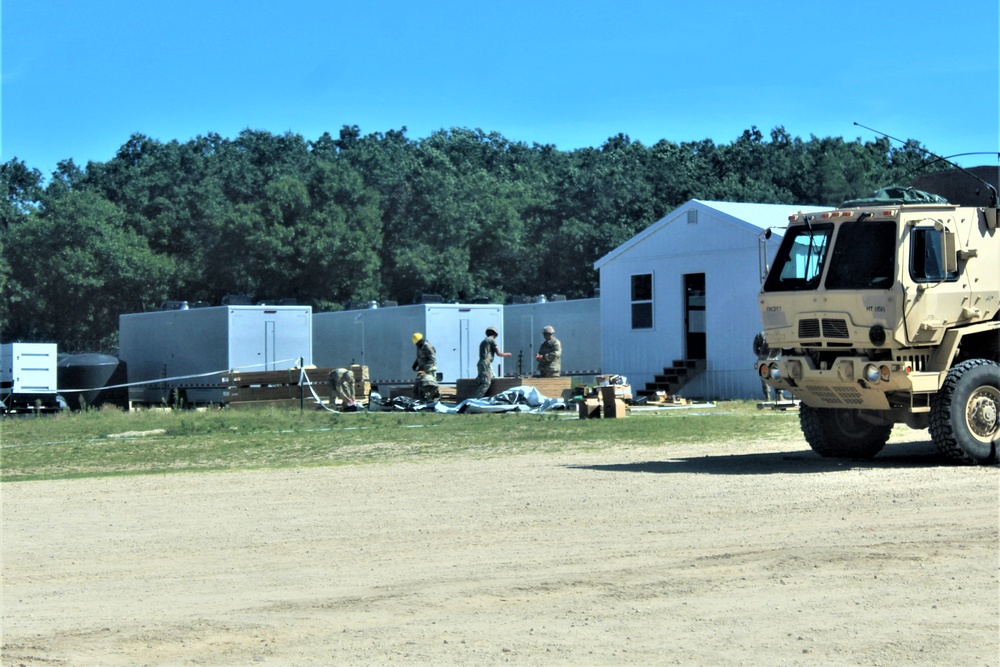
(642,301)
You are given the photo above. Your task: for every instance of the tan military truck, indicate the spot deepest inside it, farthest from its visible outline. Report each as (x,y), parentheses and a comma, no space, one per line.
(885,311)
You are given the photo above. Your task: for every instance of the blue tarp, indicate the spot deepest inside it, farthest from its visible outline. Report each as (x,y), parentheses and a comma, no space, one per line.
(515,399)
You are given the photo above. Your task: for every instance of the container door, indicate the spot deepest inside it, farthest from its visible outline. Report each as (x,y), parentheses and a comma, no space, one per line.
(269,346)
(525,359)
(465,351)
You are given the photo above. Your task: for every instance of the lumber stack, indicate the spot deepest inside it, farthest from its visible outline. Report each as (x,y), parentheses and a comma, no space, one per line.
(286,387)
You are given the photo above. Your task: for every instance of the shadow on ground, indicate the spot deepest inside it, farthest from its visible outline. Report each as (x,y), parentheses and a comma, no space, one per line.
(915,454)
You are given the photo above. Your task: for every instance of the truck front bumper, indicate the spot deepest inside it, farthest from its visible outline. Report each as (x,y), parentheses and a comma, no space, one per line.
(852,382)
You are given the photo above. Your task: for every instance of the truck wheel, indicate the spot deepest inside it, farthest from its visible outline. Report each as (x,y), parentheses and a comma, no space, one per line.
(842,433)
(964,414)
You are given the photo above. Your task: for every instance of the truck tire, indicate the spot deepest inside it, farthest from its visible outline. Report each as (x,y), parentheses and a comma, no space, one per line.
(842,433)
(964,414)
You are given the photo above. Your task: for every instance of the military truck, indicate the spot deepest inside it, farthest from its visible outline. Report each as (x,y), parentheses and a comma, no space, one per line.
(885,311)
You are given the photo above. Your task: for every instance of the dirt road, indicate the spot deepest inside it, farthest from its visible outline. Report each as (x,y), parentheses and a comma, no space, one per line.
(733,554)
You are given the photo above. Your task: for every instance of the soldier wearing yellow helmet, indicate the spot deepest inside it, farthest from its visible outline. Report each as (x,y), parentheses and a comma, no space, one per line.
(425,387)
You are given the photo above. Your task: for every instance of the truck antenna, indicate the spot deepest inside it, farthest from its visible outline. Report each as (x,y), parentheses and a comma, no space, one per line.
(995,203)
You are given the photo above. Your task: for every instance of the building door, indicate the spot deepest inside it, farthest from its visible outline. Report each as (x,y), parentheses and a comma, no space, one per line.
(694,316)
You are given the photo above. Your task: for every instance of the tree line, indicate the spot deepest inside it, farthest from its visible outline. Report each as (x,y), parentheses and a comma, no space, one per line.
(462,213)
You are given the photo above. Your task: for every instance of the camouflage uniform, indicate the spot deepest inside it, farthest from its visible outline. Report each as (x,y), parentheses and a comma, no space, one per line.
(341,382)
(484,368)
(550,364)
(425,387)
(426,358)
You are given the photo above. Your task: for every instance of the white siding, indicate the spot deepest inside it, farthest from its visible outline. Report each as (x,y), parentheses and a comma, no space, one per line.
(725,249)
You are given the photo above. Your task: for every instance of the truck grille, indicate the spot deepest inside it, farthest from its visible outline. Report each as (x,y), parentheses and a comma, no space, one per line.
(809,329)
(831,328)
(837,396)
(835,329)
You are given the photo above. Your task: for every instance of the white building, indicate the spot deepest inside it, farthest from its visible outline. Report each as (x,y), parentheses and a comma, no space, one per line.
(685,288)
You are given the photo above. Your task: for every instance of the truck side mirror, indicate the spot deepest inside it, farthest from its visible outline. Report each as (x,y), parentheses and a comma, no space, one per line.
(950,253)
(991,213)
(949,250)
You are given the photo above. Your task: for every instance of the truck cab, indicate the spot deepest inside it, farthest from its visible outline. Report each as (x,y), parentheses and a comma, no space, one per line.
(869,309)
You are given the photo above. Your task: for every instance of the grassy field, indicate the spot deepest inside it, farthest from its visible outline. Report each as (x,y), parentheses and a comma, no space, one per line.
(112,442)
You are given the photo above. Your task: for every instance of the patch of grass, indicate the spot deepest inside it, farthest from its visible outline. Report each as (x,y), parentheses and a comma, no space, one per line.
(112,442)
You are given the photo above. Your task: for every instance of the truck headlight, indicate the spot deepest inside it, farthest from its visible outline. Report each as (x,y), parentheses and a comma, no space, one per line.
(775,372)
(871,373)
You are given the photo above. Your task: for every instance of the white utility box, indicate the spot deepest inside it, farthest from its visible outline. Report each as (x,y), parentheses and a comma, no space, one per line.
(28,376)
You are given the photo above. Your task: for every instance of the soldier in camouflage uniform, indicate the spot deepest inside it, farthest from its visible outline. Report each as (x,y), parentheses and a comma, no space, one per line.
(549,355)
(341,381)
(487,349)
(425,387)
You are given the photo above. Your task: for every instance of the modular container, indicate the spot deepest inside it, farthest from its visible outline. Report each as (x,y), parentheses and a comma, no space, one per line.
(381,338)
(188,351)
(577,324)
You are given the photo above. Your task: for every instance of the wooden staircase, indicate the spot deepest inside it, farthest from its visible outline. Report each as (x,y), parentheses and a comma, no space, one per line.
(673,378)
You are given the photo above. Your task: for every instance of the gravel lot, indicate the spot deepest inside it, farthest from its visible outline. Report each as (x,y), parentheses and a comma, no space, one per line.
(749,553)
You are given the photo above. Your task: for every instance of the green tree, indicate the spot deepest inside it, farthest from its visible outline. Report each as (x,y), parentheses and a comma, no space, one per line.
(21,187)
(75,268)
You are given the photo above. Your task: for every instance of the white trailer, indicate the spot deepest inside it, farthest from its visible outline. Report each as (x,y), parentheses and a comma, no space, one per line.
(28,377)
(188,351)
(380,338)
(578,327)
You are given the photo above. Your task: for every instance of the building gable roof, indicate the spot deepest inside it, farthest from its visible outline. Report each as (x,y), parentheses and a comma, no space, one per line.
(754,218)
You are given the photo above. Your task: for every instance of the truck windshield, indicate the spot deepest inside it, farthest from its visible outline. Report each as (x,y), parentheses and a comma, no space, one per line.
(864,256)
(800,259)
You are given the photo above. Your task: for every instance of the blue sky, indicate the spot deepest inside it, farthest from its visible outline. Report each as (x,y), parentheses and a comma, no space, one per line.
(79,77)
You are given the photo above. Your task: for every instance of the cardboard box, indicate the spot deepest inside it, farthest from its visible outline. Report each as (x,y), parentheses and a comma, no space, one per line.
(589,408)
(615,409)
(610,393)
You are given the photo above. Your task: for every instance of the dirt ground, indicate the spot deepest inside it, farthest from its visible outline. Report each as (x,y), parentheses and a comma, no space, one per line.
(730,554)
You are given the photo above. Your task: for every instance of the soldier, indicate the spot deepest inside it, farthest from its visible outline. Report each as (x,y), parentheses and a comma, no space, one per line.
(549,355)
(341,382)
(484,368)
(425,386)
